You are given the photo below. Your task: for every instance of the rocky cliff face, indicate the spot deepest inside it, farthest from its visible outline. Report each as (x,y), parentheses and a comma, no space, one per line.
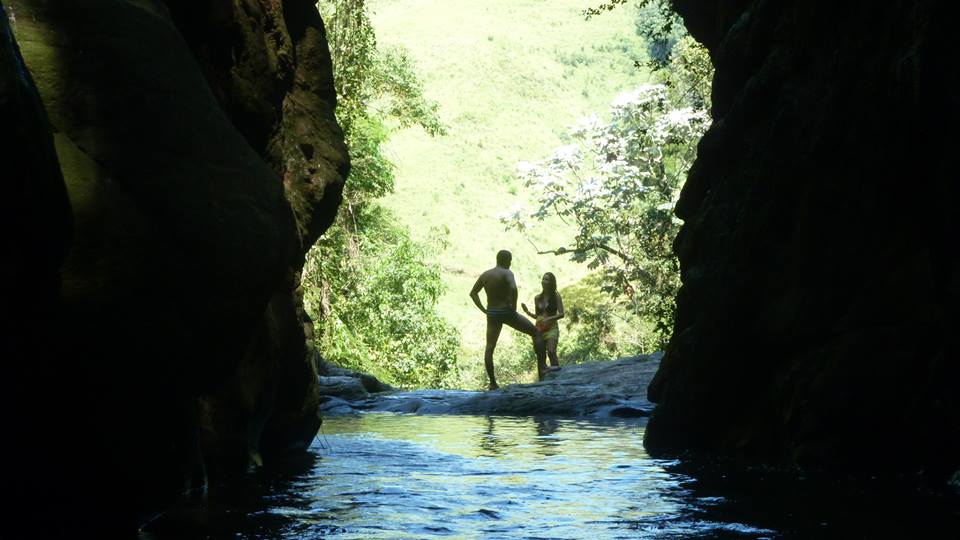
(817,323)
(201,159)
(35,216)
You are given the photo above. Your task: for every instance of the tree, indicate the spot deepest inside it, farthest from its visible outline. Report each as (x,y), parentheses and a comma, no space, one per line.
(374,86)
(689,75)
(661,28)
(372,288)
(617,181)
(380,308)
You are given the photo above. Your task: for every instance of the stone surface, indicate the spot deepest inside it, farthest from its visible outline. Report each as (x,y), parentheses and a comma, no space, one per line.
(268,66)
(817,323)
(175,346)
(36,222)
(370,383)
(593,389)
(343,387)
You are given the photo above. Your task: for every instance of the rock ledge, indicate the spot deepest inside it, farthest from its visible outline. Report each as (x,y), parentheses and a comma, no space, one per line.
(615,388)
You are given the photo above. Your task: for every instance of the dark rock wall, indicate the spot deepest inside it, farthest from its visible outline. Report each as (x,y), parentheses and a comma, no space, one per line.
(176,344)
(35,209)
(268,66)
(36,222)
(817,323)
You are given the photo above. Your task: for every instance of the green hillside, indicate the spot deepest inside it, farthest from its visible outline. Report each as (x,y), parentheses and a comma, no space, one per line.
(509,76)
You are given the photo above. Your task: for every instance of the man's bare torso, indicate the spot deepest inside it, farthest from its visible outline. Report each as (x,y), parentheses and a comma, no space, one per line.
(500,288)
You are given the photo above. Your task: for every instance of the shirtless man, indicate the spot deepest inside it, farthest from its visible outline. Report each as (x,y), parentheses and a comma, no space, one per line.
(501,289)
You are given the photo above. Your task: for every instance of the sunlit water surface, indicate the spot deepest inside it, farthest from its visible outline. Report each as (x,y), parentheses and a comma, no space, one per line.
(404,476)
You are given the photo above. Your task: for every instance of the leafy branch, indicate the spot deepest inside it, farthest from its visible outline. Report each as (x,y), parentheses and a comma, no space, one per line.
(591,12)
(618,182)
(372,286)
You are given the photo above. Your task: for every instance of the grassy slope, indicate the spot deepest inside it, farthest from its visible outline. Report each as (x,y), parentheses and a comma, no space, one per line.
(509,76)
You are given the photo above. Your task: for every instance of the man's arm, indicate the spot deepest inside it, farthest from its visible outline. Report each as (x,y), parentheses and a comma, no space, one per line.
(475,292)
(513,289)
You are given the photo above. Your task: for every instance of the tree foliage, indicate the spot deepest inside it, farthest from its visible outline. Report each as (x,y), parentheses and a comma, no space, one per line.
(690,74)
(617,182)
(661,28)
(374,87)
(597,326)
(380,315)
(603,7)
(370,285)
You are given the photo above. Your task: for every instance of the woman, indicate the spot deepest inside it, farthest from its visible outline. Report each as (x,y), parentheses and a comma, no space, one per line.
(549,309)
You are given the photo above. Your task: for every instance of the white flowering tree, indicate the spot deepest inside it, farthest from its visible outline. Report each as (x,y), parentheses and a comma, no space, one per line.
(617,182)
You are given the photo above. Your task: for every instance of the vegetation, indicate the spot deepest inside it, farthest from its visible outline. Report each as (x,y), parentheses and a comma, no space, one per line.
(661,28)
(370,285)
(509,75)
(599,328)
(419,219)
(383,321)
(605,6)
(617,181)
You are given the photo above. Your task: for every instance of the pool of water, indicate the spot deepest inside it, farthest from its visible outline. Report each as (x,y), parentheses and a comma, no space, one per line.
(406,476)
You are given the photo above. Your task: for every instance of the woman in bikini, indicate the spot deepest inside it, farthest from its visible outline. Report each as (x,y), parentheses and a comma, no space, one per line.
(549,309)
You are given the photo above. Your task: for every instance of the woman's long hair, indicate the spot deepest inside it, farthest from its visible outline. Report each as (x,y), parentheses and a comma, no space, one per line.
(550,291)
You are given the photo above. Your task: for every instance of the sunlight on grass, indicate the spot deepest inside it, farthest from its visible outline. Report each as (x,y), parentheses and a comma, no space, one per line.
(509,76)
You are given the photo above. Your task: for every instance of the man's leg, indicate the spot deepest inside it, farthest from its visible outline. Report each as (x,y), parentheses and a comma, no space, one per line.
(493,334)
(523,324)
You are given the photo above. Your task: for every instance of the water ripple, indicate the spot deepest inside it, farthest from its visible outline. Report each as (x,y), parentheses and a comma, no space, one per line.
(405,476)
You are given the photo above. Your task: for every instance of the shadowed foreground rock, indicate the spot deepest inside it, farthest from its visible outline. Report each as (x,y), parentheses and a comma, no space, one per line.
(818,319)
(593,389)
(169,345)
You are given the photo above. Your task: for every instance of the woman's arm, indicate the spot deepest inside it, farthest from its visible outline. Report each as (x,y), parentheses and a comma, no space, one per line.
(527,311)
(559,314)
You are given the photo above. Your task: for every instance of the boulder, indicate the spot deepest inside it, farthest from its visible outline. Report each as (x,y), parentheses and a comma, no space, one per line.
(342,387)
(370,383)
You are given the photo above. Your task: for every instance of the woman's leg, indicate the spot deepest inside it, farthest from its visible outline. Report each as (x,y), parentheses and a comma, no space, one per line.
(552,352)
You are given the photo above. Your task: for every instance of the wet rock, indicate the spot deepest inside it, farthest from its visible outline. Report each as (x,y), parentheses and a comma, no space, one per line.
(370,383)
(629,411)
(342,387)
(333,405)
(594,389)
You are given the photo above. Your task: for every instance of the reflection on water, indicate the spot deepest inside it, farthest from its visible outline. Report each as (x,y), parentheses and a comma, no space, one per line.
(400,476)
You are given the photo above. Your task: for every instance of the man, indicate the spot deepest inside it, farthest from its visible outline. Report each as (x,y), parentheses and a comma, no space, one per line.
(501,289)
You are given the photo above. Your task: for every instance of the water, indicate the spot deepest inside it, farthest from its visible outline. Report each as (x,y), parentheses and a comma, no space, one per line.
(404,476)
